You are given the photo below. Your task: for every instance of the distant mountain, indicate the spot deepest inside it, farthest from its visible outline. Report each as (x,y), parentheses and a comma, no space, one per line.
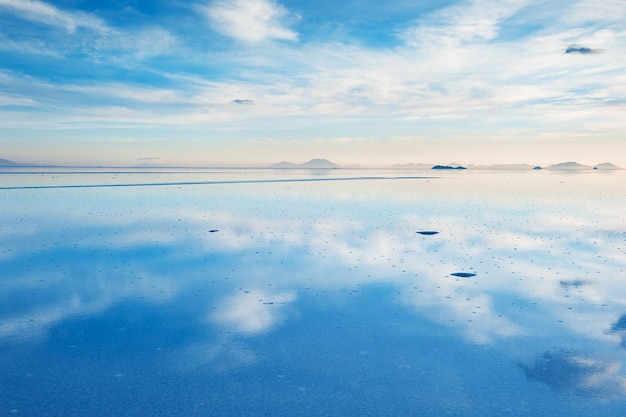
(319,163)
(607,166)
(7,163)
(312,164)
(284,164)
(569,166)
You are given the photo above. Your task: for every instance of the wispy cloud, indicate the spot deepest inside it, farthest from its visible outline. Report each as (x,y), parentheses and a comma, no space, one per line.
(478,20)
(38,11)
(16,101)
(97,40)
(250,20)
(136,45)
(33,47)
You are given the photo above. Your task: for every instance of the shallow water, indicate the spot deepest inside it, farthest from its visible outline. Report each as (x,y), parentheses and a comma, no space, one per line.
(288,292)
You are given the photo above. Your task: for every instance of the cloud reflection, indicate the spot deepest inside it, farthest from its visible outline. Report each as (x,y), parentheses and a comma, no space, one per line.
(251,312)
(542,262)
(219,356)
(619,328)
(581,375)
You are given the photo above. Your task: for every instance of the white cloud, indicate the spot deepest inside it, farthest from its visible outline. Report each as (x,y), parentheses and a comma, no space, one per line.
(478,21)
(32,47)
(16,101)
(45,13)
(250,20)
(102,43)
(586,11)
(136,45)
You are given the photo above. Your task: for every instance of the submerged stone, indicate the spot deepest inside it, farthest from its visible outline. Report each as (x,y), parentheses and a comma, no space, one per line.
(428,232)
(463,274)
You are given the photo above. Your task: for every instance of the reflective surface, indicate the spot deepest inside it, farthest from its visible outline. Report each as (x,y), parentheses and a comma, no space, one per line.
(208,293)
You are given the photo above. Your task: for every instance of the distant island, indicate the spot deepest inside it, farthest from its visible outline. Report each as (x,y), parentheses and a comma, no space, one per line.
(447,167)
(607,166)
(312,164)
(563,166)
(569,166)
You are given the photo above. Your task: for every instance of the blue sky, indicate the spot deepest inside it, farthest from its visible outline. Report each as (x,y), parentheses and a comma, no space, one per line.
(253,82)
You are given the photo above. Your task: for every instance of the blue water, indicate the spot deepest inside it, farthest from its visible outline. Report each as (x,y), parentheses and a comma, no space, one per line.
(312,293)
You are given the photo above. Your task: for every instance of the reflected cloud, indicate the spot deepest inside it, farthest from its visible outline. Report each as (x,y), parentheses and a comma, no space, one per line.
(619,328)
(251,312)
(212,280)
(565,371)
(37,317)
(462,308)
(220,356)
(541,262)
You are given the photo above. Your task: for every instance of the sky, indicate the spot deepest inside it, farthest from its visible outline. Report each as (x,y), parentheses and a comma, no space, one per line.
(367,83)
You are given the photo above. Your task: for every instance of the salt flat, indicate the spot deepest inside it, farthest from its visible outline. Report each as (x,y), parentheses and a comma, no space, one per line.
(312,292)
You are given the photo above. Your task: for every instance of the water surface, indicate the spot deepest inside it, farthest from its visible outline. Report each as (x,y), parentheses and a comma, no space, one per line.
(261,292)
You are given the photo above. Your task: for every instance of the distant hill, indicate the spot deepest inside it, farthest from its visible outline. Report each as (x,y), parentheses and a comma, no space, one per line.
(7,163)
(569,166)
(284,164)
(607,166)
(319,163)
(312,164)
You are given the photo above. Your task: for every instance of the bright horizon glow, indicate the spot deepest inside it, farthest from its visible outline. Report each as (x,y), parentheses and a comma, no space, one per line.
(255,82)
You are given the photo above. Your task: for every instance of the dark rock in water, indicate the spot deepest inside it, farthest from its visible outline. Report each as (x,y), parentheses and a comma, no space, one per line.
(463,274)
(213,231)
(428,232)
(576,283)
(537,167)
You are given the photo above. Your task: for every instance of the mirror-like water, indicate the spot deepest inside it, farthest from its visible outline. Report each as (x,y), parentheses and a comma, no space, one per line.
(282,293)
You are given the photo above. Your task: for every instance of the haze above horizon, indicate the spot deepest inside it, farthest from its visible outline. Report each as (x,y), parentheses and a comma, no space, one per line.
(254,82)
